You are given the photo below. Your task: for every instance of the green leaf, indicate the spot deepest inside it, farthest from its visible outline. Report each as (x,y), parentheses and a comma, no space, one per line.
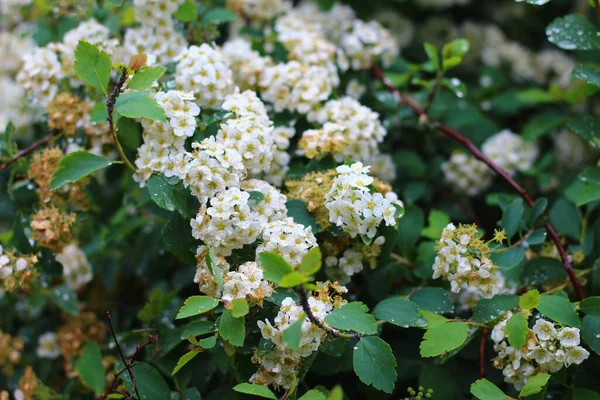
(585,394)
(195,305)
(326,5)
(274,265)
(542,124)
(516,330)
(433,299)
(177,236)
(534,385)
(213,267)
(588,128)
(456,48)
(76,166)
(90,369)
(232,329)
(437,220)
(588,73)
(65,298)
(255,390)
(20,239)
(145,77)
(590,193)
(209,342)
(540,270)
(297,210)
(530,300)
(591,327)
(432,55)
(486,390)
(512,217)
(149,382)
(433,319)
(565,218)
(590,175)
(508,258)
(559,309)
(353,316)
(573,32)
(488,310)
(99,113)
(184,359)
(400,312)
(198,328)
(590,306)
(293,333)
(219,15)
(311,262)
(290,280)
(239,308)
(443,338)
(374,363)
(166,196)
(187,12)
(191,393)
(92,66)
(139,105)
(539,206)
(313,395)
(409,228)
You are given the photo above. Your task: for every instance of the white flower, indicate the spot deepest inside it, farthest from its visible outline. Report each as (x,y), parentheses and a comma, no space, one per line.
(576,355)
(468,174)
(544,330)
(48,346)
(510,152)
(568,337)
(77,271)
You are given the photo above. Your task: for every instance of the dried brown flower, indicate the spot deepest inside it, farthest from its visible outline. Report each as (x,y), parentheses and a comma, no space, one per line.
(75,334)
(11,348)
(67,113)
(52,228)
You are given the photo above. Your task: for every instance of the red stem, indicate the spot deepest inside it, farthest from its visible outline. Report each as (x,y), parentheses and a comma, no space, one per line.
(26,151)
(127,363)
(554,236)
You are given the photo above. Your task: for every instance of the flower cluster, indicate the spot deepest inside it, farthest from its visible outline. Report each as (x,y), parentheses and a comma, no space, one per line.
(287,238)
(180,110)
(11,352)
(48,345)
(77,270)
(40,75)
(467,174)
(354,208)
(548,348)
(246,64)
(52,228)
(246,283)
(463,259)
(204,71)
(16,272)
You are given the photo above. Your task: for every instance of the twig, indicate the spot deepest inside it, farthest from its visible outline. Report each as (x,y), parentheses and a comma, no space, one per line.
(25,151)
(127,364)
(499,171)
(110,107)
(303,296)
(482,353)
(597,5)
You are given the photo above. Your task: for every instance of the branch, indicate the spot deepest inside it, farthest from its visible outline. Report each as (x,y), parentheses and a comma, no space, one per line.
(482,353)
(27,150)
(554,236)
(110,107)
(127,363)
(597,5)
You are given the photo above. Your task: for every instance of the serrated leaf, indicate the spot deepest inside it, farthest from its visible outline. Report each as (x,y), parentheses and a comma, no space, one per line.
(516,330)
(275,266)
(311,262)
(238,307)
(139,105)
(353,316)
(433,319)
(400,312)
(530,300)
(486,390)
(590,306)
(145,77)
(290,280)
(195,305)
(92,66)
(488,310)
(534,385)
(443,338)
(183,360)
(293,333)
(90,369)
(573,32)
(232,329)
(559,309)
(255,390)
(437,221)
(374,363)
(76,166)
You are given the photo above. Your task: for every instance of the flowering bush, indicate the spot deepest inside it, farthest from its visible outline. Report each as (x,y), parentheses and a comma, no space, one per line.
(312,200)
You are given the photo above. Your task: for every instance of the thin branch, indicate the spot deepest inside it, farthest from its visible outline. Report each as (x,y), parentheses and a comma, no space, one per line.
(25,151)
(482,353)
(127,364)
(554,236)
(110,107)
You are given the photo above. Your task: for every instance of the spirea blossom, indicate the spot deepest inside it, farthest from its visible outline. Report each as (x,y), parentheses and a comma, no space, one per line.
(77,270)
(548,348)
(180,110)
(40,75)
(48,346)
(246,283)
(287,238)
(510,152)
(354,208)
(467,174)
(247,65)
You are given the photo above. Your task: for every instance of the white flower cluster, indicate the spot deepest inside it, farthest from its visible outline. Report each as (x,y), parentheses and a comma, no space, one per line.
(246,283)
(264,10)
(288,239)
(571,150)
(180,109)
(12,47)
(77,270)
(296,87)
(469,296)
(204,277)
(246,64)
(40,75)
(462,258)
(48,346)
(8,266)
(510,152)
(367,43)
(279,366)
(506,149)
(281,158)
(467,174)
(13,105)
(354,208)
(354,130)
(547,349)
(350,263)
(204,71)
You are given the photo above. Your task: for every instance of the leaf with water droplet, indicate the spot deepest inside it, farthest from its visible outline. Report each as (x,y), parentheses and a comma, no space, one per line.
(573,32)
